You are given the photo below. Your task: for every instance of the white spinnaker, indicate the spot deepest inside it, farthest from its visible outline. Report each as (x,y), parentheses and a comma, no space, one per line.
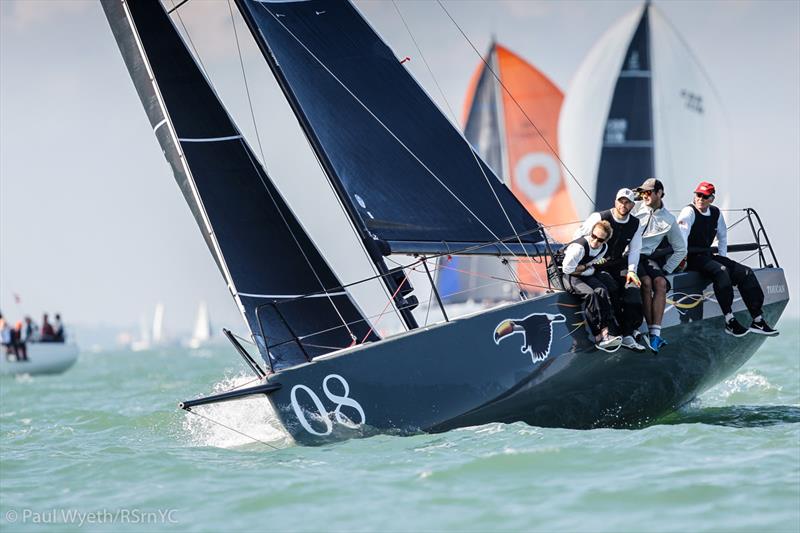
(689,128)
(586,106)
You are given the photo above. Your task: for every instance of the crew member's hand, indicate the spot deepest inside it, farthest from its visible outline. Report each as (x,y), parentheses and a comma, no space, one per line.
(631,277)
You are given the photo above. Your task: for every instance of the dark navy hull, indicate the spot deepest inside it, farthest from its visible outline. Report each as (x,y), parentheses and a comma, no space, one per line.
(474,371)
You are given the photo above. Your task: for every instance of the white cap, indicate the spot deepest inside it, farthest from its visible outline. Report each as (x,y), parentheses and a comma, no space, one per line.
(625,193)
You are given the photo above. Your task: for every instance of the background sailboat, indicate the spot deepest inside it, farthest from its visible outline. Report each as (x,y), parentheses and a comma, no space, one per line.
(639,106)
(201,334)
(511,119)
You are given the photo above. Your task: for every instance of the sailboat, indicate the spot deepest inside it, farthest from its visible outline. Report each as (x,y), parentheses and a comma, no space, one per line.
(43,358)
(641,105)
(201,334)
(512,112)
(410,184)
(153,335)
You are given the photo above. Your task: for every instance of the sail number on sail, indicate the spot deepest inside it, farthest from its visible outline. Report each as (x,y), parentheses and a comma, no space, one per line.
(324,415)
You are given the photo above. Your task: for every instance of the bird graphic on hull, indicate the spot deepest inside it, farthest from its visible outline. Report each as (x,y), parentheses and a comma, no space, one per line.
(537,333)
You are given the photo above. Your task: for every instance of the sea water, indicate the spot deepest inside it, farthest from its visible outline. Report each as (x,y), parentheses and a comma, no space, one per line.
(104,447)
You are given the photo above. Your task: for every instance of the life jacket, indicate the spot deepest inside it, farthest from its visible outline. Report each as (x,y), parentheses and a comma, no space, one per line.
(555,268)
(704,229)
(622,236)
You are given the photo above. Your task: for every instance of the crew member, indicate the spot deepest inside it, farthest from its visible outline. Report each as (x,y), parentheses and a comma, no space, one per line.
(621,262)
(659,224)
(700,222)
(578,276)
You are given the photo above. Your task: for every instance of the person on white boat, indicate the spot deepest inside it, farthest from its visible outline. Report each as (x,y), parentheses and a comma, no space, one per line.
(659,224)
(701,223)
(58,327)
(31,331)
(579,277)
(48,334)
(5,336)
(621,262)
(18,342)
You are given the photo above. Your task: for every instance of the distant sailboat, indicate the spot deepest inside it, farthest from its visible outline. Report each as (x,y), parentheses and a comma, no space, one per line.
(640,106)
(143,342)
(158,324)
(150,335)
(500,118)
(202,328)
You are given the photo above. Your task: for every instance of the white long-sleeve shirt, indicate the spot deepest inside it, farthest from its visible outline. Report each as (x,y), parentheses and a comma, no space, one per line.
(573,255)
(634,247)
(686,220)
(660,223)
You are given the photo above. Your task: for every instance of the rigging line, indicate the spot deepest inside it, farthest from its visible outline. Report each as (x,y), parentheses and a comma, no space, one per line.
(174,7)
(232,429)
(385,127)
(555,153)
(248,341)
(455,121)
(247,88)
(399,286)
(189,36)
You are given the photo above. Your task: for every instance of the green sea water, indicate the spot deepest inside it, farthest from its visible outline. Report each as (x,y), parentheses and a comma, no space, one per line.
(104,448)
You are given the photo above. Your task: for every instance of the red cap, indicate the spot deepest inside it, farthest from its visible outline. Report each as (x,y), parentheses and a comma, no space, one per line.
(706,188)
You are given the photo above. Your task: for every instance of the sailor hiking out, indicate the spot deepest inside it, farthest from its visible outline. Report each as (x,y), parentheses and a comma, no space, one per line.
(576,273)
(659,226)
(701,223)
(620,263)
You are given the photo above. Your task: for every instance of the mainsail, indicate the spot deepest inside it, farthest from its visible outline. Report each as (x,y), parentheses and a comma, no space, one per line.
(409,180)
(641,105)
(511,114)
(267,259)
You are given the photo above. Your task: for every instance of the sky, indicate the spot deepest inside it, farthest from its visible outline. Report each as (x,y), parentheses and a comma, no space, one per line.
(93,225)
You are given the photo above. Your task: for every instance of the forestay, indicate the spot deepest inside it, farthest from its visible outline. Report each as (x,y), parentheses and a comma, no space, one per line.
(261,249)
(406,175)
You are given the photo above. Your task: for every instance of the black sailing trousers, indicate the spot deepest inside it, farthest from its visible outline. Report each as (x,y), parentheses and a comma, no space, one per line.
(626,301)
(596,299)
(725,274)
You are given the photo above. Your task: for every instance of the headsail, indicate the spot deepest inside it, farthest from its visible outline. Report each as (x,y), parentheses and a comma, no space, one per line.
(640,105)
(505,136)
(404,172)
(262,251)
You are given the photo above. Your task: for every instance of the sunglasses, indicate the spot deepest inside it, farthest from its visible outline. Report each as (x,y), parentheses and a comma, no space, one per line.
(599,239)
(703,196)
(647,193)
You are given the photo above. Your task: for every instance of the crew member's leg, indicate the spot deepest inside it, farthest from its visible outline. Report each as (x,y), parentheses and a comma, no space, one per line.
(596,306)
(614,295)
(721,277)
(632,309)
(745,280)
(654,299)
(647,297)
(577,285)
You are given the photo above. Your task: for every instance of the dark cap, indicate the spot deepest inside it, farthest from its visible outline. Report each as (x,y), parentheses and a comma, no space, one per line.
(650,184)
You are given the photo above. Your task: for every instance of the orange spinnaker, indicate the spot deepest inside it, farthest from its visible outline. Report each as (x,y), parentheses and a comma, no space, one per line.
(531,169)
